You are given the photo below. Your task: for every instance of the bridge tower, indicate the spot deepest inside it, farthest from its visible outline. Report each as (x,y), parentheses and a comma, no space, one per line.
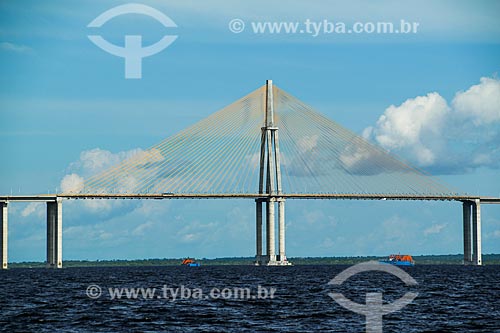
(4,234)
(472,232)
(270,176)
(54,234)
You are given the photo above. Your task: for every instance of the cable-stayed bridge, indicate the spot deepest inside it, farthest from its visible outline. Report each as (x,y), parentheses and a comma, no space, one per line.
(270,147)
(222,155)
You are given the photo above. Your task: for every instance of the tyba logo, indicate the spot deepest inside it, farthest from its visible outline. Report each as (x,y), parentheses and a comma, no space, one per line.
(133,51)
(374,308)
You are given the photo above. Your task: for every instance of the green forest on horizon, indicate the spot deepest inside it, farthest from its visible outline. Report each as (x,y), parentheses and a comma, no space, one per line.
(451,259)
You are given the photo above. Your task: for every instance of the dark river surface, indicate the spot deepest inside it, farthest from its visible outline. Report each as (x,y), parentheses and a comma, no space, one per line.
(243,299)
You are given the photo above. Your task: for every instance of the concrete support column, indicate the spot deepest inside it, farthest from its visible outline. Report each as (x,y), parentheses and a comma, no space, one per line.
(281,229)
(54,234)
(476,232)
(258,232)
(271,241)
(4,234)
(467,232)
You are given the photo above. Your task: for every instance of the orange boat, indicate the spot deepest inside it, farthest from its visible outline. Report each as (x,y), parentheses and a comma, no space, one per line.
(190,262)
(399,260)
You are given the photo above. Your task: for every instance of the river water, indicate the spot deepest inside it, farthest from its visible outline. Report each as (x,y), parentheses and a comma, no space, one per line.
(274,299)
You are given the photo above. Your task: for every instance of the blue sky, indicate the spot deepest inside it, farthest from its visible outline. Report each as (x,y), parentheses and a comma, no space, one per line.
(432,97)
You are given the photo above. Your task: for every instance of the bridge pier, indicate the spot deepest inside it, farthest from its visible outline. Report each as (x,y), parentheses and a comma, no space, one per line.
(476,233)
(472,232)
(270,232)
(258,232)
(281,231)
(54,234)
(466,206)
(271,258)
(5,233)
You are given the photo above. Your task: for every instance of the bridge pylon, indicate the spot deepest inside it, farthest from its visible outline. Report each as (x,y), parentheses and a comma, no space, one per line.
(4,234)
(270,176)
(472,232)
(54,234)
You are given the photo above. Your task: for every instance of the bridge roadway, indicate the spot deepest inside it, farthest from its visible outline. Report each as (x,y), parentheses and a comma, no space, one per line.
(471,214)
(160,196)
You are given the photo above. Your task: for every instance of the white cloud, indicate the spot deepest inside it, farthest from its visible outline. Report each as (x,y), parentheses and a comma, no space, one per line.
(33,207)
(93,233)
(101,206)
(72,183)
(429,133)
(307,150)
(253,159)
(434,229)
(142,228)
(18,48)
(409,126)
(307,143)
(396,229)
(359,158)
(95,160)
(313,216)
(327,243)
(480,102)
(191,237)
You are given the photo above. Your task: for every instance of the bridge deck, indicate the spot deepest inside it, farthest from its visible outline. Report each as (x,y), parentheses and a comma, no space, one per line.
(159,196)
